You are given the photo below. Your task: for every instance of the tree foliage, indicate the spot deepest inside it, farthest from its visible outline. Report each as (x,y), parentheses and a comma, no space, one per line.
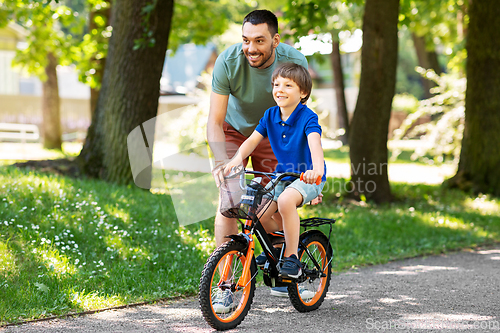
(306,17)
(94,44)
(45,21)
(439,22)
(440,138)
(212,19)
(50,42)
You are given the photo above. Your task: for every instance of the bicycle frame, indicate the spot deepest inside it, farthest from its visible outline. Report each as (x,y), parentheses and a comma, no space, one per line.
(254,227)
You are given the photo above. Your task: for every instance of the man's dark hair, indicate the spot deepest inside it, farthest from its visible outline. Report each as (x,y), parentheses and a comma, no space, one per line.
(260,16)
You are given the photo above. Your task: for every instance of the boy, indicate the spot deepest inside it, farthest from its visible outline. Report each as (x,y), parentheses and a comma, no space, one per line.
(295,136)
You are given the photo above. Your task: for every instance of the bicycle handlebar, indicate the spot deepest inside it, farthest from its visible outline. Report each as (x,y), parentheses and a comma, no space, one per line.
(281,175)
(318,180)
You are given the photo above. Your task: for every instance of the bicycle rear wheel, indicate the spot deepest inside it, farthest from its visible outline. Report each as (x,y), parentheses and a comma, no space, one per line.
(220,275)
(310,294)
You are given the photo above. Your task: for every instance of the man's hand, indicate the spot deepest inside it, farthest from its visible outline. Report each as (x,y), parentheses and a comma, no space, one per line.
(233,166)
(224,168)
(218,172)
(317,200)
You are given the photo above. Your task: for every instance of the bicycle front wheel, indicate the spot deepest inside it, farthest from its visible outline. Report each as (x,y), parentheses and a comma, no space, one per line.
(223,303)
(310,294)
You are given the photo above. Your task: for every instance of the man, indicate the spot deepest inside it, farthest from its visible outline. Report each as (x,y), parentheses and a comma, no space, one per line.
(241,93)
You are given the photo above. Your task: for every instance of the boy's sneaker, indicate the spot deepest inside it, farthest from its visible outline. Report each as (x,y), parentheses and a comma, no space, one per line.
(223,301)
(261,258)
(291,268)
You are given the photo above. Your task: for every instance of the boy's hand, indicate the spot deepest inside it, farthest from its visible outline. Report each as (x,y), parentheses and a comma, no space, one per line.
(233,166)
(310,176)
(228,167)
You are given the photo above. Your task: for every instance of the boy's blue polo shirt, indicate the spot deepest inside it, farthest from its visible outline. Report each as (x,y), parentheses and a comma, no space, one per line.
(289,138)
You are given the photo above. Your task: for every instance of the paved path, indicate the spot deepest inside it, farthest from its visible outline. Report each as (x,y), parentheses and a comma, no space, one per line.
(448,293)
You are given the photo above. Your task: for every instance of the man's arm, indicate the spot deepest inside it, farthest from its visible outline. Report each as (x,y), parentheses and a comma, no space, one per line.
(215,132)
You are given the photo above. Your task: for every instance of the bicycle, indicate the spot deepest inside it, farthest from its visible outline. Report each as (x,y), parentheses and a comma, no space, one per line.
(231,269)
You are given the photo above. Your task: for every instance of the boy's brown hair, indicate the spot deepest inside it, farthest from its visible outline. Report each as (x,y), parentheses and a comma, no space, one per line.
(297,74)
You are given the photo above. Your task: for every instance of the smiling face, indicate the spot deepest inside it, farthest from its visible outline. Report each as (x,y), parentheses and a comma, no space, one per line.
(287,94)
(259,45)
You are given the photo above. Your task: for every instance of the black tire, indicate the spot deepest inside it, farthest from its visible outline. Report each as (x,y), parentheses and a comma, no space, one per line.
(210,278)
(317,243)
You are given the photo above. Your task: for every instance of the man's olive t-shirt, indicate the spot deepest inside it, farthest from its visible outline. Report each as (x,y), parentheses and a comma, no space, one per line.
(249,89)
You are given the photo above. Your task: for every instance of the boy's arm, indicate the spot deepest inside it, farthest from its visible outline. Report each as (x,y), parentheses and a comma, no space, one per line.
(246,148)
(318,160)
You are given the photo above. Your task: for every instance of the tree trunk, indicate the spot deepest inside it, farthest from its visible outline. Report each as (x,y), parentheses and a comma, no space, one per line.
(51,128)
(370,124)
(479,165)
(129,92)
(426,59)
(338,85)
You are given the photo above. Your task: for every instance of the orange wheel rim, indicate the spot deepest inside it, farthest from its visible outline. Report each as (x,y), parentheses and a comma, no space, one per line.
(320,255)
(237,260)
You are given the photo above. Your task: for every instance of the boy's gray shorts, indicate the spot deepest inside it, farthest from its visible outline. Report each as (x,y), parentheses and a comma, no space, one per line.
(308,191)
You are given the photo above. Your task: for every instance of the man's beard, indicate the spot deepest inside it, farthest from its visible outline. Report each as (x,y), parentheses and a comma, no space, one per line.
(263,61)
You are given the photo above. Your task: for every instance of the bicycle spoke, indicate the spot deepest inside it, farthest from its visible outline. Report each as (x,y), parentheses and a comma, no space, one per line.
(233,269)
(313,284)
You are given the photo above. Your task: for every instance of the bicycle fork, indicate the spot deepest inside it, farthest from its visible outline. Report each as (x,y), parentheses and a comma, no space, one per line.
(246,277)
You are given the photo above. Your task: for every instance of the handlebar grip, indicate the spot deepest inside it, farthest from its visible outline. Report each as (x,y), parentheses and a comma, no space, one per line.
(318,181)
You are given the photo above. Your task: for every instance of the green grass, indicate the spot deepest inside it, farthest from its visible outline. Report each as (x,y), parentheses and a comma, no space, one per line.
(69,245)
(423,220)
